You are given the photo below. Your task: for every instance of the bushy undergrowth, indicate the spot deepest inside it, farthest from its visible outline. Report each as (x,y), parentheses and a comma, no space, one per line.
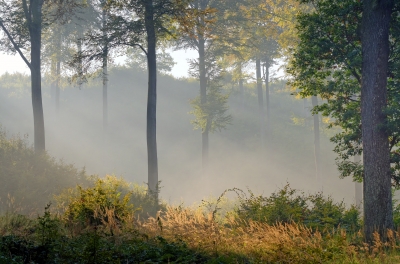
(28,181)
(288,205)
(107,220)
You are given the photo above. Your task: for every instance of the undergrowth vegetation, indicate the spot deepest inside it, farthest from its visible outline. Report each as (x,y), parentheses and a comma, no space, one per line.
(108,220)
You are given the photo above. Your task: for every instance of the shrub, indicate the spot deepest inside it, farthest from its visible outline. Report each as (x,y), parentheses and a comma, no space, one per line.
(29,180)
(109,202)
(287,205)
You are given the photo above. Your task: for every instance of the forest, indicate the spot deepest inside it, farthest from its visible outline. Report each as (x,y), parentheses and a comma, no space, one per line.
(279,145)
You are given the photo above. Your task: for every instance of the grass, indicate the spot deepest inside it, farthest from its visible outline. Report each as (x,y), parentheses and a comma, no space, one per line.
(105,228)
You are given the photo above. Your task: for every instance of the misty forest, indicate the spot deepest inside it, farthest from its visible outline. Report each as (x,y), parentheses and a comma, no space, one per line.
(276,141)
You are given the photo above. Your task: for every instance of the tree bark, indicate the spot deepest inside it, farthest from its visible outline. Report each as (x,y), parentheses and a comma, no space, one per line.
(267,102)
(57,86)
(151,100)
(378,215)
(260,103)
(203,99)
(241,87)
(317,147)
(105,72)
(35,32)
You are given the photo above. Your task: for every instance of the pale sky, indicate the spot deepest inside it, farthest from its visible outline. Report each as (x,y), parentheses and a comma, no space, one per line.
(11,64)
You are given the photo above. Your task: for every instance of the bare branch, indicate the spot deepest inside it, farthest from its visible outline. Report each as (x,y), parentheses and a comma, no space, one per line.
(15,44)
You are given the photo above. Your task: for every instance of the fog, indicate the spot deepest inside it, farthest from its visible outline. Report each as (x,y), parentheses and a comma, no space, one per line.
(75,134)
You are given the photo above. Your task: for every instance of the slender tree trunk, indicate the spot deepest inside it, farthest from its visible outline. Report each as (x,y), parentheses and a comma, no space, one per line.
(267,103)
(317,147)
(80,66)
(105,72)
(378,215)
(241,87)
(35,31)
(203,99)
(53,74)
(203,85)
(58,74)
(260,103)
(151,100)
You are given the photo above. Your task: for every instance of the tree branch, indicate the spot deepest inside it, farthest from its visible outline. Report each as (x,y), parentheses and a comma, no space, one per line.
(15,44)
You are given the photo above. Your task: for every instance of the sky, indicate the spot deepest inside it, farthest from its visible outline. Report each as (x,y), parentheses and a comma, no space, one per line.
(14,63)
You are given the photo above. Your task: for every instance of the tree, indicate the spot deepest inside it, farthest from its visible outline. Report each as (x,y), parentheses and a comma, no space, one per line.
(378,211)
(329,62)
(139,24)
(198,32)
(21,23)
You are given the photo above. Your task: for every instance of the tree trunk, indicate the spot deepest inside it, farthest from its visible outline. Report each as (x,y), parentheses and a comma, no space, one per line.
(203,99)
(378,215)
(35,32)
(203,86)
(260,103)
(317,148)
(241,87)
(267,103)
(151,100)
(58,73)
(80,66)
(105,72)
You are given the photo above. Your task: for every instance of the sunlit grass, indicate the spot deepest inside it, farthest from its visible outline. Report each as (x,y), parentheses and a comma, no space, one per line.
(99,224)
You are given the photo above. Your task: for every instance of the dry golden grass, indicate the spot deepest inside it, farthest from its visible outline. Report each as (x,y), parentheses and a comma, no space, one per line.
(263,243)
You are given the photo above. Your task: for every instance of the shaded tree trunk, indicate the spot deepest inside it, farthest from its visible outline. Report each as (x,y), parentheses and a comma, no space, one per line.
(378,215)
(317,147)
(267,103)
(80,66)
(105,72)
(151,100)
(241,87)
(58,73)
(260,102)
(203,100)
(35,32)
(57,86)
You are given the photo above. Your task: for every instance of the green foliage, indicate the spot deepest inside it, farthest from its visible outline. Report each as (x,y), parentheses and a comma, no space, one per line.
(327,62)
(287,205)
(29,180)
(137,59)
(108,201)
(17,84)
(211,115)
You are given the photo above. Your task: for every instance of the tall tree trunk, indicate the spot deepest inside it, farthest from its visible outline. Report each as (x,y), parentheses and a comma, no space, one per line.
(267,102)
(151,100)
(58,73)
(35,32)
(105,72)
(241,87)
(260,102)
(317,147)
(203,100)
(80,66)
(202,5)
(378,215)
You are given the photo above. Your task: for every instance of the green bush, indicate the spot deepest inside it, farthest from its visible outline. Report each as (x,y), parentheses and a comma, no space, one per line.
(109,201)
(29,180)
(288,205)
